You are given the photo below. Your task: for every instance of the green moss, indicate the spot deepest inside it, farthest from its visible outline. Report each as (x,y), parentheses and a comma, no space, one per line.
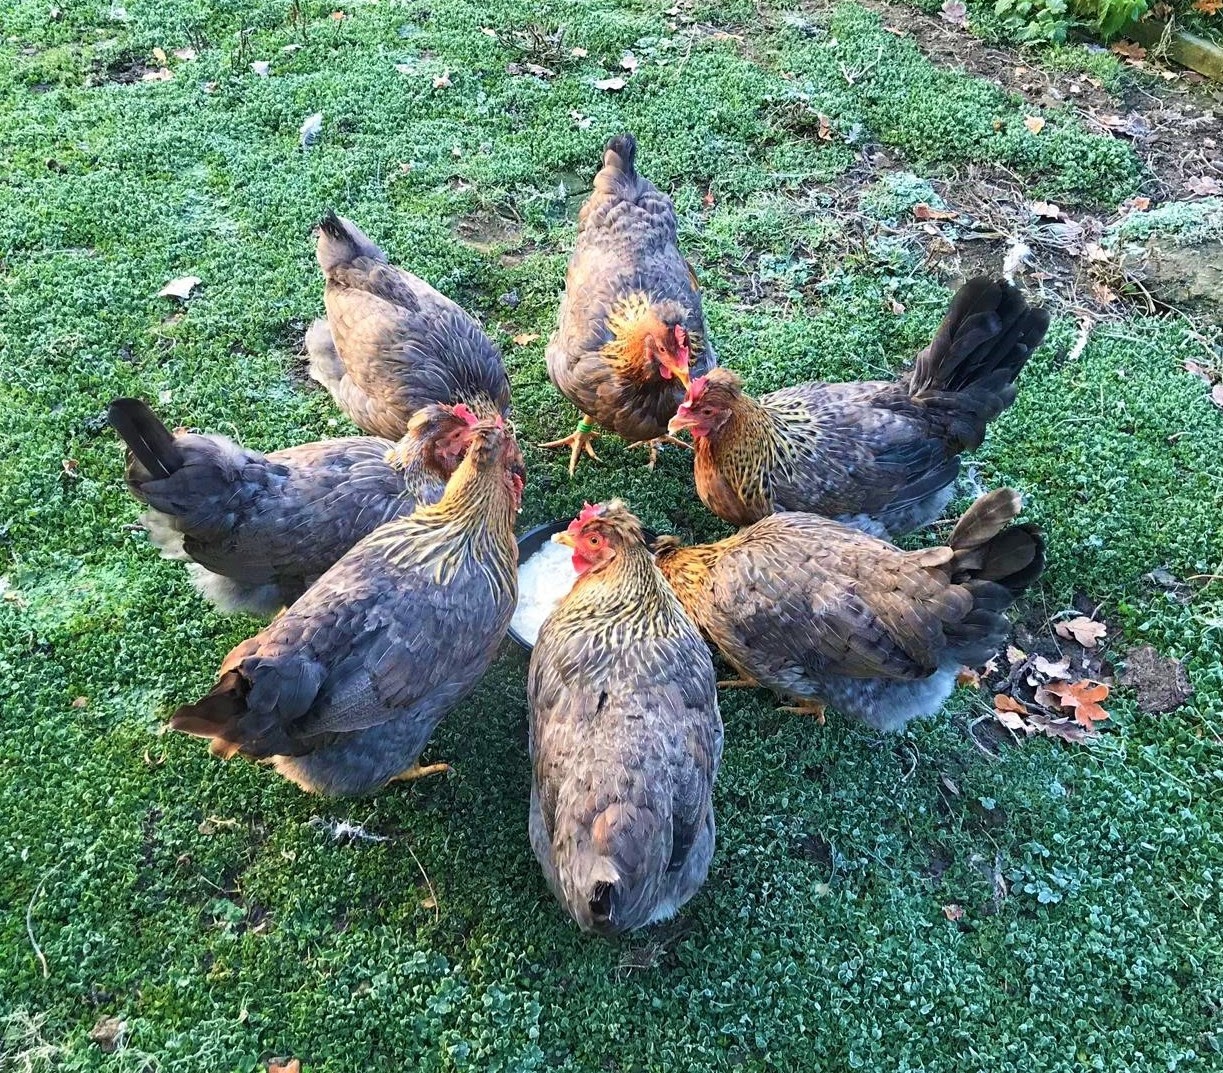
(207,905)
(895,194)
(1186,223)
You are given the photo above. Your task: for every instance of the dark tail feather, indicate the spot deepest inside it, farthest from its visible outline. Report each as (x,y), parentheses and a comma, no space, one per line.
(985,339)
(341,241)
(147,438)
(600,903)
(990,551)
(619,165)
(215,715)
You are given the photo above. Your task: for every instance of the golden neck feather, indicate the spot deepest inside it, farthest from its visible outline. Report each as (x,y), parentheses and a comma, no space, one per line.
(631,320)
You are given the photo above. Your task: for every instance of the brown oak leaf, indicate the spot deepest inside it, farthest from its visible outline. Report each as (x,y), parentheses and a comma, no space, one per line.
(1082,698)
(1082,629)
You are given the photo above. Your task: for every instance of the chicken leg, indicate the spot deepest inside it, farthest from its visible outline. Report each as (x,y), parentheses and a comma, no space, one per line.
(654,444)
(581,439)
(806,706)
(418,772)
(738,683)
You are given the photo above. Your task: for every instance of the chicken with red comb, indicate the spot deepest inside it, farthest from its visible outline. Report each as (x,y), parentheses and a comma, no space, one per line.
(632,332)
(880,455)
(257,530)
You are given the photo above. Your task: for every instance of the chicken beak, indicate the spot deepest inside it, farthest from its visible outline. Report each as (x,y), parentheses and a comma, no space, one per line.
(678,423)
(565,538)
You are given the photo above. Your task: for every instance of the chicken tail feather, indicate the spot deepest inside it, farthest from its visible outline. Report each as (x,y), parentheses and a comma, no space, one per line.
(619,172)
(152,444)
(216,715)
(988,549)
(340,242)
(983,343)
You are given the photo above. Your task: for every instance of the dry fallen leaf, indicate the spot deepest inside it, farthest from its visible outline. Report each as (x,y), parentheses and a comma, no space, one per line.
(1207,7)
(1204,186)
(429,902)
(180,288)
(613,85)
(442,81)
(953,911)
(1034,123)
(108,1033)
(1103,294)
(1082,629)
(185,54)
(1216,395)
(1047,209)
(1062,729)
(922,211)
(966,676)
(339,16)
(580,53)
(261,68)
(1004,703)
(162,74)
(1136,204)
(488,31)
(284,1065)
(526,338)
(72,468)
(825,132)
(954,12)
(80,702)
(1083,698)
(896,307)
(582,122)
(1060,669)
(629,62)
(1015,655)
(159,54)
(1014,722)
(1128,50)
(708,199)
(1206,375)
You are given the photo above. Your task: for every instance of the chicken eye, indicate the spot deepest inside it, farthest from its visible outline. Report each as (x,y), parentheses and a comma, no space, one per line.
(595,541)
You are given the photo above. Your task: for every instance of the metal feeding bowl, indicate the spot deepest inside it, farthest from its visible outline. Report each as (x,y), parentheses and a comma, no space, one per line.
(530,542)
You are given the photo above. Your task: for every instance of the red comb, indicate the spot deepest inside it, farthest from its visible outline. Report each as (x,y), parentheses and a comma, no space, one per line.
(460,410)
(697,388)
(681,336)
(588,512)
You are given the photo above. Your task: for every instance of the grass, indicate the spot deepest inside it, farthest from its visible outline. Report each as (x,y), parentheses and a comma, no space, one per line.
(199,903)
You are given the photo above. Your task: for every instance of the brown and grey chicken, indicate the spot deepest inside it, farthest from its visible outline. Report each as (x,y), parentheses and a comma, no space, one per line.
(825,614)
(343,689)
(632,331)
(879,455)
(625,736)
(257,530)
(391,343)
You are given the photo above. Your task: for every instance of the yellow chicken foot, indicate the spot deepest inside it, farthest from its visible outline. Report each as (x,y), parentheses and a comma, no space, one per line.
(654,444)
(581,439)
(806,707)
(738,683)
(418,772)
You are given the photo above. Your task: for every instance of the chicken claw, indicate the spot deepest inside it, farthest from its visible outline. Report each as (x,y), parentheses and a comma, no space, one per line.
(653,445)
(418,772)
(806,707)
(581,439)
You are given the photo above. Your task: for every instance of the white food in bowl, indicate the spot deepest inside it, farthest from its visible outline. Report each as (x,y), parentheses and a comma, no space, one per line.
(543,581)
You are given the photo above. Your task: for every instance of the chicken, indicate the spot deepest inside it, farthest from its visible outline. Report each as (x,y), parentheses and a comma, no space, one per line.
(879,455)
(631,329)
(257,530)
(824,613)
(625,736)
(391,343)
(343,689)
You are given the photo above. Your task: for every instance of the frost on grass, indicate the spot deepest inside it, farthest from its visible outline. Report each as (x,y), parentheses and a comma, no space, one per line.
(345,830)
(896,194)
(1184,223)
